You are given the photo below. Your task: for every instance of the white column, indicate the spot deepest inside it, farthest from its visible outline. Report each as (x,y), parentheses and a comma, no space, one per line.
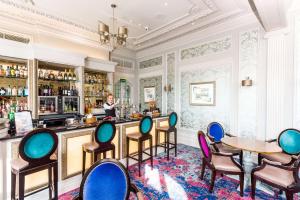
(279,83)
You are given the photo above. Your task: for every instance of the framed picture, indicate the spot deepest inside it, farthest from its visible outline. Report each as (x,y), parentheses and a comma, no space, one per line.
(203,94)
(23,121)
(149,94)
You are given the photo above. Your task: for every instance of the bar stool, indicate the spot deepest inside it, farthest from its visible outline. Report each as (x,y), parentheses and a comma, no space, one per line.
(145,128)
(36,154)
(104,134)
(167,130)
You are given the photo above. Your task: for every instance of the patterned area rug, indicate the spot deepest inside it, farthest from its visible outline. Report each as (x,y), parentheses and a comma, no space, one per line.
(178,179)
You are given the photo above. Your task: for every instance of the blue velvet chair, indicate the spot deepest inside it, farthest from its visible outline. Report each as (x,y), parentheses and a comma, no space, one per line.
(103,136)
(215,133)
(107,179)
(140,137)
(37,152)
(289,141)
(167,130)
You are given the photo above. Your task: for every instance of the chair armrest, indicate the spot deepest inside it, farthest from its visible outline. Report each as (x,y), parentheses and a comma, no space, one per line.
(223,154)
(76,197)
(271,140)
(276,164)
(138,193)
(211,138)
(229,135)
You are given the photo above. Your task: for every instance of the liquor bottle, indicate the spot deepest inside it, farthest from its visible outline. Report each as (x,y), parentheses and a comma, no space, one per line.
(7,71)
(25,71)
(74,76)
(8,91)
(46,75)
(20,91)
(41,74)
(70,76)
(65,75)
(2,91)
(25,92)
(60,76)
(73,107)
(69,92)
(45,91)
(21,72)
(1,71)
(51,75)
(12,72)
(17,71)
(52,107)
(14,91)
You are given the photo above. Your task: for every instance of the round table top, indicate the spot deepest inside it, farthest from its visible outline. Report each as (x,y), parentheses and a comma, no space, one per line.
(253,145)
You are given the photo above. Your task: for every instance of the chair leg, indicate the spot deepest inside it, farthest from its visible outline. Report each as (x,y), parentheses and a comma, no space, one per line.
(168,144)
(259,159)
(156,141)
(151,153)
(21,186)
(202,170)
(50,181)
(253,186)
(140,154)
(175,141)
(241,158)
(212,183)
(13,186)
(289,195)
(242,184)
(113,153)
(95,155)
(127,151)
(55,169)
(83,162)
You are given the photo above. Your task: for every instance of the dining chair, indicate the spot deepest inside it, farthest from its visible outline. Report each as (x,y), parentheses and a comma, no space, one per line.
(285,178)
(103,136)
(289,141)
(37,153)
(219,162)
(107,179)
(167,130)
(140,137)
(215,133)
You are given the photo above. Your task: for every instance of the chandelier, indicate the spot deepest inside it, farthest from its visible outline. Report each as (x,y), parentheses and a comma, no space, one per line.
(113,39)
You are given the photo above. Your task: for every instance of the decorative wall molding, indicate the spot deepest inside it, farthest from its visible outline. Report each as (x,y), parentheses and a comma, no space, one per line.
(216,46)
(171,81)
(150,63)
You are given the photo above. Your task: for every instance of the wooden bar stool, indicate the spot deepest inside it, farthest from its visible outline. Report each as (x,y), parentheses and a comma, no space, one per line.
(145,128)
(103,136)
(37,153)
(167,130)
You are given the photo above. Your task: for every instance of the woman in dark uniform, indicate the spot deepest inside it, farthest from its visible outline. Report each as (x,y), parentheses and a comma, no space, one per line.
(109,106)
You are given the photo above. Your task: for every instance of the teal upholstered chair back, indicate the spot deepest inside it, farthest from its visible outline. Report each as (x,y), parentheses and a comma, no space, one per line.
(173,119)
(289,141)
(38,145)
(105,132)
(146,124)
(105,180)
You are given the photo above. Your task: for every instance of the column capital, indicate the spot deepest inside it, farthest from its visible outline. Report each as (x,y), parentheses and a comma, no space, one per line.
(276,33)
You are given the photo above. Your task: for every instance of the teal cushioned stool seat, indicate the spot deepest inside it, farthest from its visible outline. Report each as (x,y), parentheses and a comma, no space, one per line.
(103,136)
(37,153)
(145,127)
(167,130)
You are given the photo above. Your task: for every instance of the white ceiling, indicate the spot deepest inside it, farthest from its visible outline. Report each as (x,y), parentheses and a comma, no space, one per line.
(161,16)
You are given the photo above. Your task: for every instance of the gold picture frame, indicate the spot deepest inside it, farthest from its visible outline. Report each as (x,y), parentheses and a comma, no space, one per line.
(203,93)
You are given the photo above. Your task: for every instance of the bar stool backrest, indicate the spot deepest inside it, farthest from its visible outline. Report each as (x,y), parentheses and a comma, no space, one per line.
(106,179)
(38,145)
(204,146)
(173,119)
(105,132)
(216,131)
(146,124)
(289,141)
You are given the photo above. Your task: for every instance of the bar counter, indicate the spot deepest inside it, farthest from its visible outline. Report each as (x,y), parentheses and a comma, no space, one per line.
(69,152)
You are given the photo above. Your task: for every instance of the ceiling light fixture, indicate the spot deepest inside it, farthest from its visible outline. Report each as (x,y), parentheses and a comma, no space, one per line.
(113,39)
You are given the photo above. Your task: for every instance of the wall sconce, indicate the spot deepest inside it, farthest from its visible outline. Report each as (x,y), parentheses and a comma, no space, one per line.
(168,88)
(247,82)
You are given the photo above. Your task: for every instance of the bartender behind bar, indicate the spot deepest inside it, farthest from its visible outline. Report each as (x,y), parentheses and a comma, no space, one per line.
(109,106)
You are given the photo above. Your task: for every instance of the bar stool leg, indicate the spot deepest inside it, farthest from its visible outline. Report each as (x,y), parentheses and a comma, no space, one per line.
(175,141)
(151,153)
(114,153)
(165,144)
(13,186)
(83,162)
(55,169)
(127,151)
(50,181)
(21,186)
(95,156)
(140,154)
(168,144)
(156,141)
(104,154)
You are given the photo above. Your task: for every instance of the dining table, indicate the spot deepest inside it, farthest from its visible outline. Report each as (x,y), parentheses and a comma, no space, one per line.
(251,146)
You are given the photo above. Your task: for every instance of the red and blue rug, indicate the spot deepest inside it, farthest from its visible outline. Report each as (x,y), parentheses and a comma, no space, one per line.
(178,179)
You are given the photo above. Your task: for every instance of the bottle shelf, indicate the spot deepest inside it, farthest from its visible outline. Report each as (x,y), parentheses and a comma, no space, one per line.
(13,77)
(56,80)
(11,96)
(96,96)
